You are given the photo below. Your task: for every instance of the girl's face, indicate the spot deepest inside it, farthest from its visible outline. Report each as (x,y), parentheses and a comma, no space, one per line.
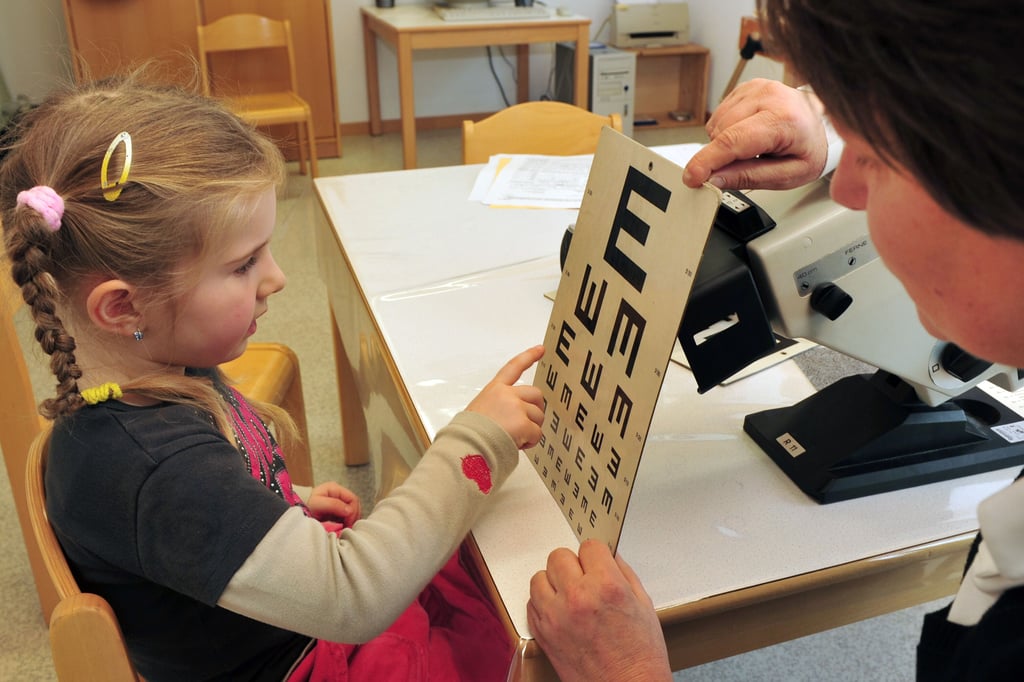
(212,323)
(965,283)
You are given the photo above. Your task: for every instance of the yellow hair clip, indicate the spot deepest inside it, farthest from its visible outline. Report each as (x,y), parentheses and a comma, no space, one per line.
(112,190)
(99,394)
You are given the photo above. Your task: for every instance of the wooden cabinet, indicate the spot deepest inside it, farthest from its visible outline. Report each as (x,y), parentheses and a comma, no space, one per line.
(108,36)
(671,80)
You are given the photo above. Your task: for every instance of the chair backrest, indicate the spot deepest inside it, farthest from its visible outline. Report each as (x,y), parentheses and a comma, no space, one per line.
(243,32)
(85,639)
(20,423)
(53,556)
(543,127)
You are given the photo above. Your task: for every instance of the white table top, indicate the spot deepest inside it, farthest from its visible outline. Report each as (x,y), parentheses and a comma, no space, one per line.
(457,288)
(424,18)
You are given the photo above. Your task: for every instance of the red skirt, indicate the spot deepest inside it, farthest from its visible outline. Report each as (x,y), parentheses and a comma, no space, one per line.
(451,633)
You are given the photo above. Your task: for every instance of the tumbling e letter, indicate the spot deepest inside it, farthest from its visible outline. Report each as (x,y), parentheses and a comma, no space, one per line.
(587,308)
(627,320)
(630,223)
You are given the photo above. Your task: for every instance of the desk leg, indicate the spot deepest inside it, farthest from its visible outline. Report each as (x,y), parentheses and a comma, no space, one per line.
(407,101)
(372,79)
(354,433)
(582,65)
(522,73)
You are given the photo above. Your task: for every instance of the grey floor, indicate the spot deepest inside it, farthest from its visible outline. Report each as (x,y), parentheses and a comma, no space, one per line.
(879,649)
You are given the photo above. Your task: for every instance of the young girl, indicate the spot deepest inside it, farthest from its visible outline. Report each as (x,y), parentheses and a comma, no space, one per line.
(137,222)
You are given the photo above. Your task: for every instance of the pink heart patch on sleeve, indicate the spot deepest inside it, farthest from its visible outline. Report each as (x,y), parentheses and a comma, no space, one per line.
(475,468)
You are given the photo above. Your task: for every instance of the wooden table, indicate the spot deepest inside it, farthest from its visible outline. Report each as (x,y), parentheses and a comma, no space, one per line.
(432,293)
(417,27)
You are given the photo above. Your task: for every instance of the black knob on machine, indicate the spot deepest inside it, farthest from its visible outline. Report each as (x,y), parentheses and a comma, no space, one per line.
(962,364)
(830,300)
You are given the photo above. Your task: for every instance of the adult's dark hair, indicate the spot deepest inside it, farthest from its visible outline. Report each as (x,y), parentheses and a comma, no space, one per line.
(935,86)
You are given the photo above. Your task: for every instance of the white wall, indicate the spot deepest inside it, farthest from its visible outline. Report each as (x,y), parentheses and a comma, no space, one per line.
(459,81)
(716,25)
(33,57)
(33,46)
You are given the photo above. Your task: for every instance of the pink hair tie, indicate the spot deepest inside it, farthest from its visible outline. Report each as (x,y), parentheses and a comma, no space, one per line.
(46,202)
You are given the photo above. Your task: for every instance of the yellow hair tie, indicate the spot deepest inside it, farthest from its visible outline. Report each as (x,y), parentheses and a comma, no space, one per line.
(98,394)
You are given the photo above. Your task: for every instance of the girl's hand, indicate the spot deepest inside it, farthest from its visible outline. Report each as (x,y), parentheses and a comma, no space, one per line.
(333,502)
(516,408)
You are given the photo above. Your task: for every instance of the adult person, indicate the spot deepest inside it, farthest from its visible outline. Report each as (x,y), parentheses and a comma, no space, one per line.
(930,107)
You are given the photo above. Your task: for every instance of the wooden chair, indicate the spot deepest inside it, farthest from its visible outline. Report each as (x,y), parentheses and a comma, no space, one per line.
(544,127)
(244,32)
(20,423)
(268,372)
(85,639)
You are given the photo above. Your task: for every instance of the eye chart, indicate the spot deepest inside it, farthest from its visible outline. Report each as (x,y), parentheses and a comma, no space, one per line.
(637,242)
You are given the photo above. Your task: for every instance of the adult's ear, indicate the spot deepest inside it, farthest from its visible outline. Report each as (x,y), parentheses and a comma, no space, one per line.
(111,307)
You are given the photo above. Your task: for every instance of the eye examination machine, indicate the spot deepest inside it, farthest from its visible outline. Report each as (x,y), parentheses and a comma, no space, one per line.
(793,265)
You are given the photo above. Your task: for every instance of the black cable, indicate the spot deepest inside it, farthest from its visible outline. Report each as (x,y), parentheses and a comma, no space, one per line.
(509,64)
(549,90)
(497,80)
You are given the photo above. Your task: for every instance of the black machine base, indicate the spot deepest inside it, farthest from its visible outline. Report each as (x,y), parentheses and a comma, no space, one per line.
(868,434)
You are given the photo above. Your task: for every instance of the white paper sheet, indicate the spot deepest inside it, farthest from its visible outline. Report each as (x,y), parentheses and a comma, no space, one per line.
(543,181)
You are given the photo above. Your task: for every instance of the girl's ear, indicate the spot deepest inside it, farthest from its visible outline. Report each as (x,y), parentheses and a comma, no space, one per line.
(111,307)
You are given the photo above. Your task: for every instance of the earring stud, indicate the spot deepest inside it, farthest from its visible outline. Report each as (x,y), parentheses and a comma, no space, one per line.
(137,334)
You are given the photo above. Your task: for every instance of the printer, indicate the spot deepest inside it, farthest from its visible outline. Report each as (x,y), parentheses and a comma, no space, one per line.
(648,25)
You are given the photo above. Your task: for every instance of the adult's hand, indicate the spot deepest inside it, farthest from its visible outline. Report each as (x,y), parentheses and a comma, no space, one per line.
(594,620)
(764,135)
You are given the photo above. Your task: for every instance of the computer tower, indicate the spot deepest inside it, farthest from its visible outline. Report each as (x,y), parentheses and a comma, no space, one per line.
(612,80)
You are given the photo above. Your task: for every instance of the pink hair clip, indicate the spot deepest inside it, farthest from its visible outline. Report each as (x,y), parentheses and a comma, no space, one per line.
(46,202)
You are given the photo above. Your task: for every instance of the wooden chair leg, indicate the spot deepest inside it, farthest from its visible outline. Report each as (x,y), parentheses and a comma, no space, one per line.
(300,143)
(311,136)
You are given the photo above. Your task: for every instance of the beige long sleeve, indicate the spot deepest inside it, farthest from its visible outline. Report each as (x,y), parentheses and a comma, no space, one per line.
(350,587)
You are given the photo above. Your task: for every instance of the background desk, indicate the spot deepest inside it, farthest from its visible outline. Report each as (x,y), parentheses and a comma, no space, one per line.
(432,293)
(417,27)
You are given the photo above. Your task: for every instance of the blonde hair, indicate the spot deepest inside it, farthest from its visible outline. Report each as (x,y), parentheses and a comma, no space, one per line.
(196,168)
